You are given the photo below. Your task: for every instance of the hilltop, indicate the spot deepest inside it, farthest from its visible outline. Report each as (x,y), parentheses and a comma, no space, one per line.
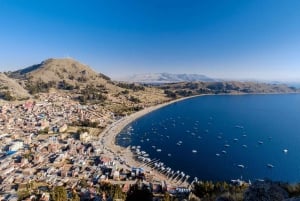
(57,70)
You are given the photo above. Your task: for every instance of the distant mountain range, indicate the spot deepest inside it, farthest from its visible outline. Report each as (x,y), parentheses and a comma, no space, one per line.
(166,78)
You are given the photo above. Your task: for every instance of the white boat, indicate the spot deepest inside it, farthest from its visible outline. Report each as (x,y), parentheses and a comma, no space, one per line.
(217,154)
(158,150)
(239,126)
(245,146)
(194,151)
(241,166)
(270,165)
(285,151)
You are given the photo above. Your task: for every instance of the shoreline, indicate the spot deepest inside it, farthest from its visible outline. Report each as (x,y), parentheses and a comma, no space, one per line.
(120,124)
(109,134)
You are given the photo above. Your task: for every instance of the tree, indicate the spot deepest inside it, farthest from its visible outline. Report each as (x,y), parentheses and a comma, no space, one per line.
(167,197)
(136,193)
(59,193)
(75,196)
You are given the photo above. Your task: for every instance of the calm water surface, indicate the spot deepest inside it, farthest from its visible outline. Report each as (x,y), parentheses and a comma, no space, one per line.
(224,137)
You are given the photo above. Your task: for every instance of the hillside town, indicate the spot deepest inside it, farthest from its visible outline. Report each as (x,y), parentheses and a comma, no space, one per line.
(41,147)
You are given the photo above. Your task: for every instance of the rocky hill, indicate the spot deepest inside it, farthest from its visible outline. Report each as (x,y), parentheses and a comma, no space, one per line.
(58,70)
(166,78)
(10,89)
(85,85)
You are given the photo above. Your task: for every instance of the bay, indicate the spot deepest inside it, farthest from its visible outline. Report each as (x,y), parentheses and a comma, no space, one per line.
(224,137)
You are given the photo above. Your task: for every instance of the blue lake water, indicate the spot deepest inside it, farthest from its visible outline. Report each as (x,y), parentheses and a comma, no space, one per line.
(224,137)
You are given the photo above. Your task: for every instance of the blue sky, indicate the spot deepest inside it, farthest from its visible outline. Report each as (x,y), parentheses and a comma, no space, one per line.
(250,39)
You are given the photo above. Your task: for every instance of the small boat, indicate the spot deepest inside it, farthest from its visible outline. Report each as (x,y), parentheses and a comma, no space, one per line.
(158,150)
(240,127)
(235,139)
(260,142)
(226,145)
(241,166)
(285,151)
(194,151)
(224,152)
(217,154)
(169,155)
(270,165)
(245,146)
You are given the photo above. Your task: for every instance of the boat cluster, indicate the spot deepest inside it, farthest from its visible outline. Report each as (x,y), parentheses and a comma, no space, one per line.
(156,164)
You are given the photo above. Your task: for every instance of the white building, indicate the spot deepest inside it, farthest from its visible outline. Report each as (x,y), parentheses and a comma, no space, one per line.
(16,145)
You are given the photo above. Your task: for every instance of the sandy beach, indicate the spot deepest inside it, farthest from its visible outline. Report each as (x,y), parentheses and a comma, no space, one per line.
(108,139)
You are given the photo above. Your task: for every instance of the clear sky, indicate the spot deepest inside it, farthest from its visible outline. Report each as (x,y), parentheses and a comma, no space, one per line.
(257,39)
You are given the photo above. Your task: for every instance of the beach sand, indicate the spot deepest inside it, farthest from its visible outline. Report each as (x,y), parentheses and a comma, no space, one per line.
(108,139)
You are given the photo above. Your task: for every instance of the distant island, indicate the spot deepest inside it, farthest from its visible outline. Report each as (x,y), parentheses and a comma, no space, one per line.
(58,122)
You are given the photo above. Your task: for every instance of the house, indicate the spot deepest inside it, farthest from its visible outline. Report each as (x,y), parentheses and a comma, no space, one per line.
(16,145)
(63,128)
(85,137)
(106,161)
(116,175)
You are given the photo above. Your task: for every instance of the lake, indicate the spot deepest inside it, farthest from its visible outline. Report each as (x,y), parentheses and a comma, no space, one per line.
(224,137)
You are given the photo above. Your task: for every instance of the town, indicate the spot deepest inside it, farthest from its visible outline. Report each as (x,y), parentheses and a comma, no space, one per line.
(42,147)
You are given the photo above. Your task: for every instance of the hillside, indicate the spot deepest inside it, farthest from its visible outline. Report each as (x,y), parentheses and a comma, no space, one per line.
(89,87)
(229,87)
(10,89)
(57,70)
(85,85)
(166,78)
